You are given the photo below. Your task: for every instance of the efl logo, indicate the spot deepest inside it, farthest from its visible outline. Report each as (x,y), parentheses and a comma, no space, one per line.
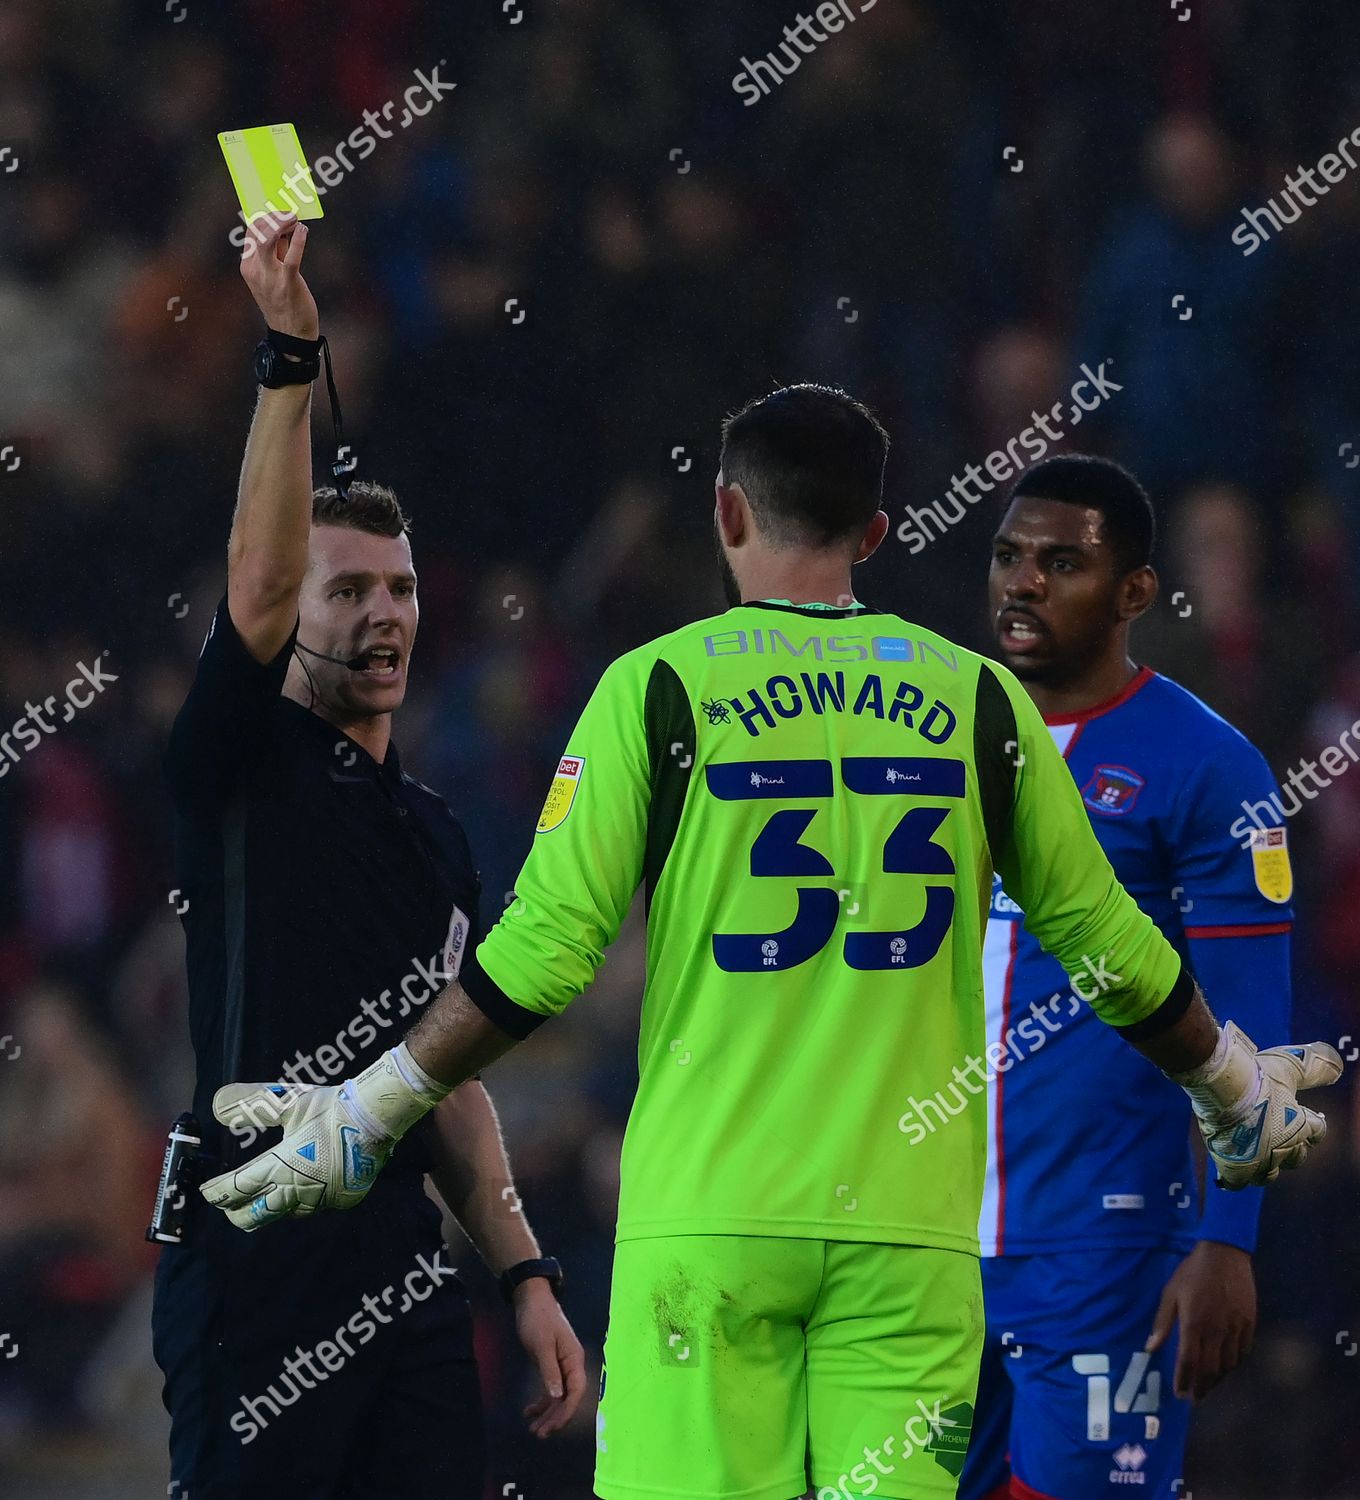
(562,793)
(1270,864)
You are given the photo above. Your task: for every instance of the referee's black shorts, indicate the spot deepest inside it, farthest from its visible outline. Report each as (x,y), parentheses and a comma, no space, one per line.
(325,1359)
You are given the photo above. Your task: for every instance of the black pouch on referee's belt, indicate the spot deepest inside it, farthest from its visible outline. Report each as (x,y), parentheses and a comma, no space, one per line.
(177,1191)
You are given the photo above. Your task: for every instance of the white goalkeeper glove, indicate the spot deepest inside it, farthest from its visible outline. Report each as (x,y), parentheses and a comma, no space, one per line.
(336,1139)
(1246,1105)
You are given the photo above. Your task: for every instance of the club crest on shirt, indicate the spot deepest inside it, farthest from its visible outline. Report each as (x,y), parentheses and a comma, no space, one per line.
(1112,789)
(1270,864)
(562,793)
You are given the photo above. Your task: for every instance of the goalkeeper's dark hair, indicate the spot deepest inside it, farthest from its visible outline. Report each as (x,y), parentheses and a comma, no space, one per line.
(810,460)
(370,507)
(1128,523)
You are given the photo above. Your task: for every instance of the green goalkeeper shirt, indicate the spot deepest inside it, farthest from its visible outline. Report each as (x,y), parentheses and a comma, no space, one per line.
(814,801)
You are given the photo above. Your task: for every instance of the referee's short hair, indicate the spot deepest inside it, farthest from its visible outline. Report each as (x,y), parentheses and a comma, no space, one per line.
(370,507)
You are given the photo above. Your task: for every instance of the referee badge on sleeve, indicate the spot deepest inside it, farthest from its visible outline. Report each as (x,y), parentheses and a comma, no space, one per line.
(455,944)
(562,793)
(1270,864)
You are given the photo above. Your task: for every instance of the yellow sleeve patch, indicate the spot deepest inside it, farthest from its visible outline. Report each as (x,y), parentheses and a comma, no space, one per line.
(562,793)
(1270,864)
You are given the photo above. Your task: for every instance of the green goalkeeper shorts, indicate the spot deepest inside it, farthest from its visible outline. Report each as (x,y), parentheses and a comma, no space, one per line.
(751,1367)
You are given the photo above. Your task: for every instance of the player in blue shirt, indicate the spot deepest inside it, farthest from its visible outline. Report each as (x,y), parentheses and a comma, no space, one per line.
(1112,1297)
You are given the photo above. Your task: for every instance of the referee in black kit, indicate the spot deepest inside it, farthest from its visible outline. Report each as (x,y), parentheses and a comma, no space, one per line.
(329,1361)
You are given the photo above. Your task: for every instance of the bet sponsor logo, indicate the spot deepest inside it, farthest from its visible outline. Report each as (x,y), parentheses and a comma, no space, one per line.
(1270,865)
(562,793)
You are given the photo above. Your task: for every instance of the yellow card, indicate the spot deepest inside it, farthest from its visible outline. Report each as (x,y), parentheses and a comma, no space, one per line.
(270,172)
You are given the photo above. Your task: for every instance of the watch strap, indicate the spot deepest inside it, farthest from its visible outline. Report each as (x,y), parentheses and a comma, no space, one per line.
(283,359)
(288,343)
(547,1266)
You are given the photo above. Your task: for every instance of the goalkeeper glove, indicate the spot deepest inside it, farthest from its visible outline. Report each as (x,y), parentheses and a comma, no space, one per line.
(1246,1105)
(336,1139)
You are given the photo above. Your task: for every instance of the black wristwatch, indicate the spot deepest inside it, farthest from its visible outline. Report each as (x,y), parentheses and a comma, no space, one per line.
(271,368)
(548,1267)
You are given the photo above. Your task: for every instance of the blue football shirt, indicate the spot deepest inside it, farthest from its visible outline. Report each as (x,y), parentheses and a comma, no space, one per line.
(1088,1143)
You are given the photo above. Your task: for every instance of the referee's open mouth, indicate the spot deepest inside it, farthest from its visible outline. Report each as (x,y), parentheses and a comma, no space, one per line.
(380,664)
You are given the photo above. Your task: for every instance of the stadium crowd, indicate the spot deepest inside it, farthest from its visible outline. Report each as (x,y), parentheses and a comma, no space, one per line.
(541,298)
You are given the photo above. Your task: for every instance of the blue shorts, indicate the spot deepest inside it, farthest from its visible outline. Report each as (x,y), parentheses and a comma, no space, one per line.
(1069,1407)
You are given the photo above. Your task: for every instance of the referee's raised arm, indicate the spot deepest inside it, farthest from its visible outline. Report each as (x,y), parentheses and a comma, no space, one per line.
(267,553)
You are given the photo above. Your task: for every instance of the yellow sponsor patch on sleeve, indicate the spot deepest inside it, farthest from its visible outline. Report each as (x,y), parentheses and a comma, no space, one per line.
(562,793)
(1270,864)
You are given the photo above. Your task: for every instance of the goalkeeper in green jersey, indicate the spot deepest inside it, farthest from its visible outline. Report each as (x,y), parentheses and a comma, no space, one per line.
(814,796)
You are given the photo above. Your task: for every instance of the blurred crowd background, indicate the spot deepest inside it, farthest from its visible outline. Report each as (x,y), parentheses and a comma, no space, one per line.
(674,252)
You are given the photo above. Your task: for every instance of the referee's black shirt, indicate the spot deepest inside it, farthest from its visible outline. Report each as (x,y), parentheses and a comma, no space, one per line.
(329,897)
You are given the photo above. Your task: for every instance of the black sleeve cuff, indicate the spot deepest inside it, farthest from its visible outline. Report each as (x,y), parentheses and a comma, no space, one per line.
(1167,1013)
(489,998)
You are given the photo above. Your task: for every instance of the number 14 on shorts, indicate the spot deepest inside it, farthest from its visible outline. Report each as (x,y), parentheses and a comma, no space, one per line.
(1140,1392)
